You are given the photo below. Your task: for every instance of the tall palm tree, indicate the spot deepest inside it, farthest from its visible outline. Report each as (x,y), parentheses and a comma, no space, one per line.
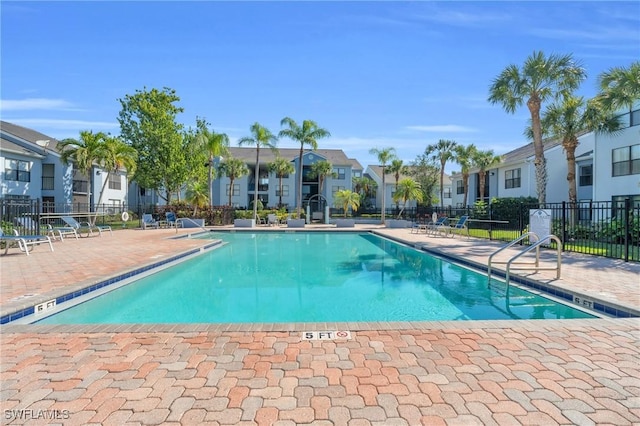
(260,137)
(464,157)
(215,145)
(84,153)
(397,168)
(116,156)
(539,80)
(233,168)
(483,161)
(321,170)
(620,87)
(384,156)
(572,118)
(307,134)
(407,189)
(281,167)
(442,151)
(346,199)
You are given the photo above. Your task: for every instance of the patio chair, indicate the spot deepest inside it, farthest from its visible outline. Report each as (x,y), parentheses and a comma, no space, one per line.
(172,220)
(457,228)
(440,224)
(272,219)
(61,231)
(85,226)
(149,222)
(23,241)
(423,227)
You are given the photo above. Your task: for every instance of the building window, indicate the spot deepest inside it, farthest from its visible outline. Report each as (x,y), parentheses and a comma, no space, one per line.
(115,181)
(512,179)
(17,170)
(357,173)
(618,203)
(446,193)
(586,175)
(459,187)
(236,189)
(48,175)
(340,172)
(635,117)
(335,189)
(626,161)
(285,191)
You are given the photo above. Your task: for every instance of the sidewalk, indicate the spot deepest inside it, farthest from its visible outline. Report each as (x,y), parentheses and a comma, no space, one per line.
(476,372)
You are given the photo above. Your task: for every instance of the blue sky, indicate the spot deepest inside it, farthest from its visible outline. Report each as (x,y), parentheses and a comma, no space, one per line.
(375,74)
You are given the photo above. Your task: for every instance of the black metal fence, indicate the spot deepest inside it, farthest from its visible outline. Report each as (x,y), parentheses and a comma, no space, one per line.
(603,228)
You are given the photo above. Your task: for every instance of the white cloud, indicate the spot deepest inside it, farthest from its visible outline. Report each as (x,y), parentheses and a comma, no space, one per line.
(453,128)
(60,124)
(35,103)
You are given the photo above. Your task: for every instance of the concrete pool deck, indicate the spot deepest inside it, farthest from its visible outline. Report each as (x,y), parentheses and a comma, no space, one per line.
(475,372)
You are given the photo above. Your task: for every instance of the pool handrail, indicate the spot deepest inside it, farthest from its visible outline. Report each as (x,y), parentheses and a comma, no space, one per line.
(536,246)
(510,244)
(183,219)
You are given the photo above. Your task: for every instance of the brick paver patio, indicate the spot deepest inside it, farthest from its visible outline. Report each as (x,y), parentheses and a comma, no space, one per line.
(533,372)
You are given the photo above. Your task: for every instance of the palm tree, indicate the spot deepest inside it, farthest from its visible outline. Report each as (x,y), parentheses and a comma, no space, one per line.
(321,169)
(115,156)
(261,137)
(281,167)
(540,79)
(197,195)
(620,87)
(397,168)
(384,156)
(215,145)
(442,151)
(308,134)
(464,157)
(572,118)
(346,198)
(364,186)
(84,153)
(483,161)
(233,168)
(407,189)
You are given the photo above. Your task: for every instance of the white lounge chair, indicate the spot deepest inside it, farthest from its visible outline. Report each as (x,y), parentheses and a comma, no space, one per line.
(61,231)
(85,226)
(23,241)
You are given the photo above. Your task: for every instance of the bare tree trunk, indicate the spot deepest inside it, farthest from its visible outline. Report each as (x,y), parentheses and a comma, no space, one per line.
(570,148)
(540,162)
(255,184)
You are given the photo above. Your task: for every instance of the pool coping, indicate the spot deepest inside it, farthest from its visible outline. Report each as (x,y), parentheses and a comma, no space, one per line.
(25,308)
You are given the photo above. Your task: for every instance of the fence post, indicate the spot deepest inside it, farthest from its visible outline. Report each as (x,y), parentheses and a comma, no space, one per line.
(627,239)
(564,224)
(37,211)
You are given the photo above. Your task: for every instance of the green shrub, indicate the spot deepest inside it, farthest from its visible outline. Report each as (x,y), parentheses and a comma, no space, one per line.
(511,208)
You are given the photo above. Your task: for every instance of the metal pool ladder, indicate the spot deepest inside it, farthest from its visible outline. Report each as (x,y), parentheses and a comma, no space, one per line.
(535,265)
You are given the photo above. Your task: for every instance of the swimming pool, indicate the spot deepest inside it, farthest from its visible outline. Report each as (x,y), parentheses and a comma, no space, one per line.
(312,277)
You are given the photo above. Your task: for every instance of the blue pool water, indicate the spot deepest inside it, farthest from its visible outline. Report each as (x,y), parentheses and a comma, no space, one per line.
(312,277)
